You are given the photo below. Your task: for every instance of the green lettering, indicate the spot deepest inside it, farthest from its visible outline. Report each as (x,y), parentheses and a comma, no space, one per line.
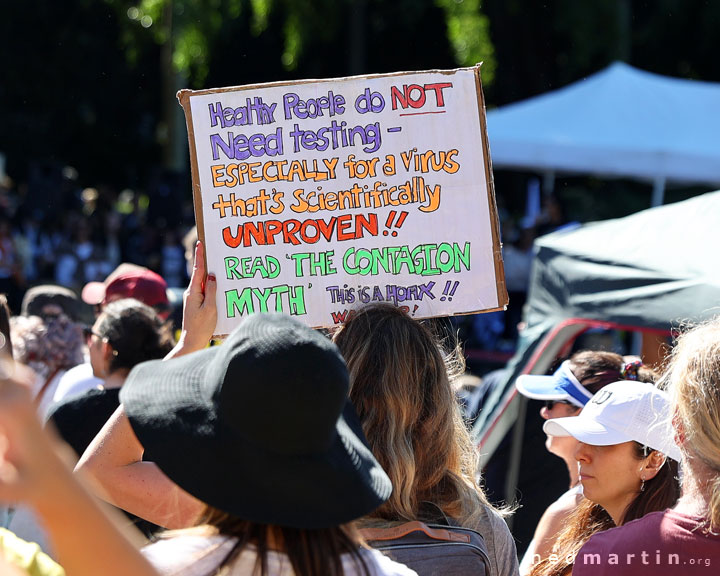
(278,291)
(448,264)
(349,253)
(462,255)
(263,296)
(421,258)
(231,263)
(296,300)
(273,269)
(242,302)
(363,269)
(299,257)
(403,258)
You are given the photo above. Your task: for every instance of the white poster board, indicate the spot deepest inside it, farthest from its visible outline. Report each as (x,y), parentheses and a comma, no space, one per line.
(313,198)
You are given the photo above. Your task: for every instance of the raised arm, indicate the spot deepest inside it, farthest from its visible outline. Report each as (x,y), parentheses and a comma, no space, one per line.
(199,308)
(113,461)
(114,458)
(87,543)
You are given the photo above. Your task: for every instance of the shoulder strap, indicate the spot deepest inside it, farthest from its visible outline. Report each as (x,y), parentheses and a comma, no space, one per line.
(433,514)
(394,532)
(41,392)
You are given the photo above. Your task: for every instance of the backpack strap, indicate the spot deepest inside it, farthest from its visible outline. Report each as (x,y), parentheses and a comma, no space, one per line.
(391,533)
(431,513)
(43,389)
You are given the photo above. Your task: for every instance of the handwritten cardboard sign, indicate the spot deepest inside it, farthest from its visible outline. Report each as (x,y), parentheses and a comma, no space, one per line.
(316,197)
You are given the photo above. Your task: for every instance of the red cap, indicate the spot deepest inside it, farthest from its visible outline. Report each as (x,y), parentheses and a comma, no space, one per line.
(132,282)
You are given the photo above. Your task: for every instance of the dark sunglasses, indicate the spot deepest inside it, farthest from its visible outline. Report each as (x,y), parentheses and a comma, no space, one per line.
(88,332)
(550,404)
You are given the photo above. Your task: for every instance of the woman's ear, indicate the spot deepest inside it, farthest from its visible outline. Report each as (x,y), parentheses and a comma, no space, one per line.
(652,465)
(107,354)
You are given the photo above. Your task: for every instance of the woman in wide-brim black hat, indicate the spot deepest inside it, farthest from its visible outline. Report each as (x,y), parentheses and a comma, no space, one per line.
(258,444)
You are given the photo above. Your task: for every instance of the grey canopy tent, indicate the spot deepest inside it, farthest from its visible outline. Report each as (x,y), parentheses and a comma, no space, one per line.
(621,122)
(649,271)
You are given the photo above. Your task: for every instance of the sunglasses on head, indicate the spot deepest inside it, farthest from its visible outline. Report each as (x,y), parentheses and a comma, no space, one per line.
(550,404)
(88,332)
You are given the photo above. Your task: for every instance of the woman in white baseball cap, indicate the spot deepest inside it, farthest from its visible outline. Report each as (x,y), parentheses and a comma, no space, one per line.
(564,393)
(686,538)
(627,464)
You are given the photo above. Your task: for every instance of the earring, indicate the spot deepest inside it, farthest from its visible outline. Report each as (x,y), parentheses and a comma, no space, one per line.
(642,485)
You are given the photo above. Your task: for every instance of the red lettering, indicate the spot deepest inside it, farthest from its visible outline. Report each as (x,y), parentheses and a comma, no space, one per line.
(419,102)
(438,88)
(327,229)
(370,224)
(229,239)
(396,95)
(414,95)
(304,232)
(344,224)
(272,229)
(339,317)
(255,230)
(340,228)
(290,229)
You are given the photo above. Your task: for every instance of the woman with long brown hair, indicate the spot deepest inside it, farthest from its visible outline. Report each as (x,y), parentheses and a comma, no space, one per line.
(627,465)
(564,393)
(400,384)
(686,538)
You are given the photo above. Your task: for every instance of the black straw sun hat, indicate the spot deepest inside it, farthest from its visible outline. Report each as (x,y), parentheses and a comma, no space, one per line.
(260,427)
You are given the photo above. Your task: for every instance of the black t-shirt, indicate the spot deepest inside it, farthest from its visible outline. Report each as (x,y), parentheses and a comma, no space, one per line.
(79,418)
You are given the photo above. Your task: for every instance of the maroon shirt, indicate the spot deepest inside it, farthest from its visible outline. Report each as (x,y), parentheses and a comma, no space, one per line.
(665,543)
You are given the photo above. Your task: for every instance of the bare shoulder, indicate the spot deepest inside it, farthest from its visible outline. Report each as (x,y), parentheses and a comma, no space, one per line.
(552,522)
(564,505)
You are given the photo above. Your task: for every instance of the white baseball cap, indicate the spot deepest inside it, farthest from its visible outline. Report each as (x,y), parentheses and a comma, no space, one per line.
(621,412)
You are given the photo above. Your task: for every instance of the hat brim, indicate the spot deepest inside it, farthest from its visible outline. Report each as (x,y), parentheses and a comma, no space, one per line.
(539,387)
(585,430)
(93,293)
(171,409)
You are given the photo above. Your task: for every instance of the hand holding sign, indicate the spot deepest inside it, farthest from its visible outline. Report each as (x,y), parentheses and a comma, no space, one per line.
(199,307)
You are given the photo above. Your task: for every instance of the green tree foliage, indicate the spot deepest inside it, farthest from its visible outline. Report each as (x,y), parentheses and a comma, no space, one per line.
(469,34)
(84,82)
(302,26)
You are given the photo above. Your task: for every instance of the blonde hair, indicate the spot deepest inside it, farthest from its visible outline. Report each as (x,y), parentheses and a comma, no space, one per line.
(693,379)
(400,385)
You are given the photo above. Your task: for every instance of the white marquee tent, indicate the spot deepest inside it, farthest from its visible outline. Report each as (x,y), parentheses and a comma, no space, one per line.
(620,122)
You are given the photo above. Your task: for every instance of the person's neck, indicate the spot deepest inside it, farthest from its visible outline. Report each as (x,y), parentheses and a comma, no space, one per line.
(616,510)
(115,380)
(696,490)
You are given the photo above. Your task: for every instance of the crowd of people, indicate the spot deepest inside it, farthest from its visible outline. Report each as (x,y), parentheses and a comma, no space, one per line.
(53,230)
(284,450)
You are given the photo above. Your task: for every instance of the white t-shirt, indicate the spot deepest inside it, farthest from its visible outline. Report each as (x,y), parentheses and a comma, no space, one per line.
(47,400)
(76,381)
(198,555)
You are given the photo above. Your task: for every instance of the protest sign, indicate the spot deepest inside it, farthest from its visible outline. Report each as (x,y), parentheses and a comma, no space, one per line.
(315,197)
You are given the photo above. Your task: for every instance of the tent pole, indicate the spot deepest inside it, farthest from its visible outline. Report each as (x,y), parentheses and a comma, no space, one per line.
(658,194)
(548,183)
(513,474)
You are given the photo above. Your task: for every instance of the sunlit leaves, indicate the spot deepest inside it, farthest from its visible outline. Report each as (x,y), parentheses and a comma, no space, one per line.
(469,34)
